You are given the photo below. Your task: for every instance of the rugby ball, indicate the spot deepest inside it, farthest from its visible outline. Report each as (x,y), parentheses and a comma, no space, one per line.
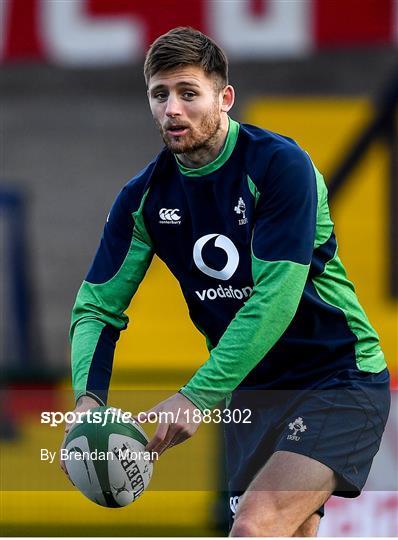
(105,457)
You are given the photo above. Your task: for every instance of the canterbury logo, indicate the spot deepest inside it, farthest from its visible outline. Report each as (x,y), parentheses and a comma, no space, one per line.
(226,245)
(169,215)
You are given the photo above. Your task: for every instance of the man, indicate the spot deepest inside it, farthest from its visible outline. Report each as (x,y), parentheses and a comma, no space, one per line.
(240,217)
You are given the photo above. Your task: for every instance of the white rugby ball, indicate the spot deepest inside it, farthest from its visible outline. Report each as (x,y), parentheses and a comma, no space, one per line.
(106,458)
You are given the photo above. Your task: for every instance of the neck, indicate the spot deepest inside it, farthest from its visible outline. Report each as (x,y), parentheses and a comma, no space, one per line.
(209,152)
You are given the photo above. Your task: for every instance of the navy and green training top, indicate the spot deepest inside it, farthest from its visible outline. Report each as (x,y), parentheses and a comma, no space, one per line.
(250,240)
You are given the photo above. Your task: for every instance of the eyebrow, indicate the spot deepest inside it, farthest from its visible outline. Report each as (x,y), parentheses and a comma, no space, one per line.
(179,84)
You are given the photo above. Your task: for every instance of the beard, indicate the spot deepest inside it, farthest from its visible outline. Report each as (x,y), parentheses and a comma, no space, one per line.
(202,137)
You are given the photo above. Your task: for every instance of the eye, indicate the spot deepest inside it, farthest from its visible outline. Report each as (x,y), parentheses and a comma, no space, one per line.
(160,96)
(188,95)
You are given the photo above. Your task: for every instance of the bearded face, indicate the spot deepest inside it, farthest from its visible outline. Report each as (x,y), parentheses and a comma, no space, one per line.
(185,138)
(185,104)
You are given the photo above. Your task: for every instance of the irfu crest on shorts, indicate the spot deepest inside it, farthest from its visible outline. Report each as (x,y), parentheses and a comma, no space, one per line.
(296,426)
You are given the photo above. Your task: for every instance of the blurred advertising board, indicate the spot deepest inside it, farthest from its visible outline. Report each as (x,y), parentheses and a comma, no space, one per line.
(103,32)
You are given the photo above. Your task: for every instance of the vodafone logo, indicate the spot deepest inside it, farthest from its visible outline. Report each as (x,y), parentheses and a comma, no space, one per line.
(223,243)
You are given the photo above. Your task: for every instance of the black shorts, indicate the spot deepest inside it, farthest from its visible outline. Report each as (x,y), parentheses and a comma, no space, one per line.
(340,424)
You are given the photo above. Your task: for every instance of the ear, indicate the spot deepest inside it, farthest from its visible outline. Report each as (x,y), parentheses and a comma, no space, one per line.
(228,98)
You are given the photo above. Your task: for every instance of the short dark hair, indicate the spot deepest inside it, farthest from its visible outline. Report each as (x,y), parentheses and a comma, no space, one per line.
(185,46)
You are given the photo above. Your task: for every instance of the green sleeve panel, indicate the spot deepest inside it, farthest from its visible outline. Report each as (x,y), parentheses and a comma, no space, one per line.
(257,326)
(100,307)
(369,356)
(85,337)
(324,224)
(336,289)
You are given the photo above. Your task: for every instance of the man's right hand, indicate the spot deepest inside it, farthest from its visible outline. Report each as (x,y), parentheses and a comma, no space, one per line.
(84,404)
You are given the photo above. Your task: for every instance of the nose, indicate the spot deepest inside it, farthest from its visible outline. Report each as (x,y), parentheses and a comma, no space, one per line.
(172,106)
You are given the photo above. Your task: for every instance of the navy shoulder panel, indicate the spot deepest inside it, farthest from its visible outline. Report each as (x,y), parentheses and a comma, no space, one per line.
(118,230)
(287,207)
(266,152)
(131,194)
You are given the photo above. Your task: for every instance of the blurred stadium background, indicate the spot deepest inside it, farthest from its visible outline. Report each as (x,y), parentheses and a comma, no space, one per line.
(75,127)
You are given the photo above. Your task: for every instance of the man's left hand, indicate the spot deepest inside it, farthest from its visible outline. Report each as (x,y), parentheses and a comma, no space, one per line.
(174,427)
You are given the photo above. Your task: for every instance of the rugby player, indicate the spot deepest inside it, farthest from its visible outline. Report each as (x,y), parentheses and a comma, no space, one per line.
(240,217)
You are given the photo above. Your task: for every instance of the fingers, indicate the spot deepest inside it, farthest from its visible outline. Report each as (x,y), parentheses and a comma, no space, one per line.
(85,403)
(157,441)
(174,429)
(166,436)
(169,440)
(61,461)
(163,435)
(141,417)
